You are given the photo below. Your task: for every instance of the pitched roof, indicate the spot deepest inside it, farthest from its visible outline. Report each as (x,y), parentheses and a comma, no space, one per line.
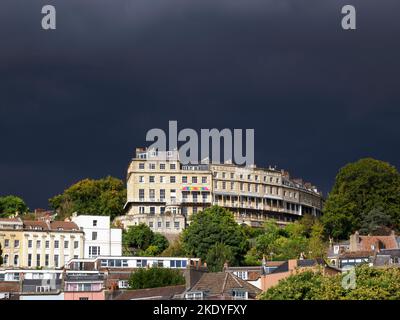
(162,293)
(387,242)
(284,267)
(64,225)
(35,225)
(356,254)
(10,219)
(218,283)
(389,252)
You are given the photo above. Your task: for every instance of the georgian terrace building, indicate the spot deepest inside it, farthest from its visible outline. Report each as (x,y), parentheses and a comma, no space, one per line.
(162,192)
(32,244)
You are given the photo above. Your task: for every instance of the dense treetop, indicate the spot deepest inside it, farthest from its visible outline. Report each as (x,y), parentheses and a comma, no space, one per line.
(105,196)
(211,226)
(11,204)
(361,188)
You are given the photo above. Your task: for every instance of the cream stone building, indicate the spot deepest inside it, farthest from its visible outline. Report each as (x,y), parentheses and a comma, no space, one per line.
(163,193)
(46,244)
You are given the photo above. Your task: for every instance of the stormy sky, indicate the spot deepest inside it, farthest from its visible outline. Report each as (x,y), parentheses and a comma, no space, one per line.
(75,102)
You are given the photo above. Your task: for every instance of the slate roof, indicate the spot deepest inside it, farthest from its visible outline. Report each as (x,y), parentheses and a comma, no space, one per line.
(390,252)
(162,293)
(356,254)
(222,283)
(284,267)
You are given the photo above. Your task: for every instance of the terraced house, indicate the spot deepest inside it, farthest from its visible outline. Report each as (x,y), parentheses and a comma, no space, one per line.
(162,192)
(32,244)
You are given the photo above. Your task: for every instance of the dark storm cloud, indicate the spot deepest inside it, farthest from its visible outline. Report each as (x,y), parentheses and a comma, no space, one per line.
(75,102)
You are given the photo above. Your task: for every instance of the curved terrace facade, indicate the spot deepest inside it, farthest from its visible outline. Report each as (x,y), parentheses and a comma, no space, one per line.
(163,193)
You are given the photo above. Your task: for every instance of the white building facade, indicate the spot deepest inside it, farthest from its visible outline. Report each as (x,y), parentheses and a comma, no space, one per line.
(99,238)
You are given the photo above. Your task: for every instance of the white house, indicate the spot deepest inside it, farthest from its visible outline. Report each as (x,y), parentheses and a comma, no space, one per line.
(100,239)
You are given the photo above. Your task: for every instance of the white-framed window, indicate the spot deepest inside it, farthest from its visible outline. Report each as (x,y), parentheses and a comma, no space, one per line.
(66,244)
(16,260)
(241,274)
(203,179)
(47,244)
(16,243)
(162,166)
(184,179)
(141,165)
(38,244)
(194,179)
(162,179)
(240,294)
(94,251)
(29,243)
(43,289)
(123,284)
(94,235)
(152,166)
(176,224)
(194,295)
(94,223)
(56,263)
(141,209)
(172,179)
(6,243)
(152,179)
(56,244)
(76,244)
(172,166)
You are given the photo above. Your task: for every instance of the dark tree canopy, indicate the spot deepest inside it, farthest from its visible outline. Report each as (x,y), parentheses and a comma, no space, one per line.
(11,204)
(155,277)
(371,284)
(217,256)
(141,240)
(360,188)
(211,226)
(105,197)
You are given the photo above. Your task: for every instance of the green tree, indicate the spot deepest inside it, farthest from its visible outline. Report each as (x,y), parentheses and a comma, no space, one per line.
(376,222)
(141,240)
(160,242)
(11,204)
(155,277)
(282,244)
(359,188)
(211,226)
(105,196)
(316,245)
(371,284)
(174,249)
(217,255)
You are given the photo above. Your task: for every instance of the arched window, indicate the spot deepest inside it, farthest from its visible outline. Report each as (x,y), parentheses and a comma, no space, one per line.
(16,260)
(5,262)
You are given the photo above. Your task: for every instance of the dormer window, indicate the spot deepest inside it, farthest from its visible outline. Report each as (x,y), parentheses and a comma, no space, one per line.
(240,294)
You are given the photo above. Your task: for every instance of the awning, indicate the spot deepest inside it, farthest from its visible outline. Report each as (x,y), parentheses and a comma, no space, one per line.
(195,189)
